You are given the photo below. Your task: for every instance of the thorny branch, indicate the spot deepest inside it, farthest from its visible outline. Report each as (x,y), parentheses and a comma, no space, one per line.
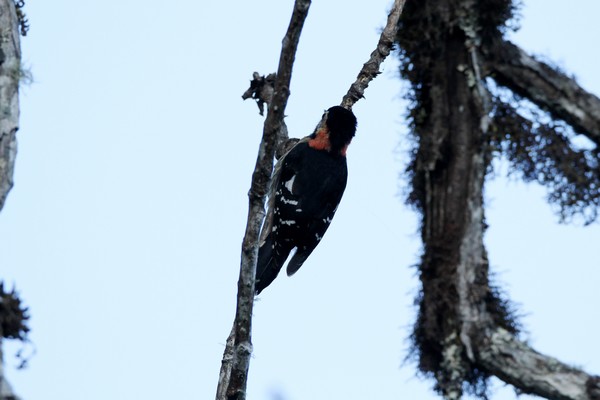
(370,69)
(236,360)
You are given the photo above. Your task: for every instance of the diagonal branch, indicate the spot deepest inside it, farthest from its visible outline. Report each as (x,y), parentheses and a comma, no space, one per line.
(370,69)
(236,359)
(548,88)
(518,364)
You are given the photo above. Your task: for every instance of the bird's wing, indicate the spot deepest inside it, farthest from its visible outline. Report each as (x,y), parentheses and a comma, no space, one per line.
(318,200)
(275,181)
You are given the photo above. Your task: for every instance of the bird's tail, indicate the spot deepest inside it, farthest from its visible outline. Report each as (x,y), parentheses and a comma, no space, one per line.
(298,259)
(269,263)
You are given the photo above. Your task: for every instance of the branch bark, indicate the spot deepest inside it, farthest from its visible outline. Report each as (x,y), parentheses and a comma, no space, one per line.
(370,69)
(487,345)
(10,73)
(533,373)
(499,351)
(545,86)
(236,360)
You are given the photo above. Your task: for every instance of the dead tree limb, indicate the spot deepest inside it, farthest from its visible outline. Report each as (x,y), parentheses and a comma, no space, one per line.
(10,74)
(236,360)
(547,87)
(370,69)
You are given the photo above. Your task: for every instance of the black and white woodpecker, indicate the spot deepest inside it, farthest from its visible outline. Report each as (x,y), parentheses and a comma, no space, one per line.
(307,186)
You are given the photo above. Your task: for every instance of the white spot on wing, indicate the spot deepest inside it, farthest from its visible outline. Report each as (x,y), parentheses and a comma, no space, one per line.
(290,184)
(288,222)
(288,201)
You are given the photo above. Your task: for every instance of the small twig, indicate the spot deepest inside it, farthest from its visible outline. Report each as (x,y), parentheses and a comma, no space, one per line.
(236,360)
(370,69)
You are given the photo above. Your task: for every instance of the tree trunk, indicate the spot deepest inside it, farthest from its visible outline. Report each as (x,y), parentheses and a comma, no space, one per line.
(464,331)
(450,168)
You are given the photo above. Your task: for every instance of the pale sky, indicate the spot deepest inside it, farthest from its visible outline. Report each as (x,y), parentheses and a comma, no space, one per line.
(123,230)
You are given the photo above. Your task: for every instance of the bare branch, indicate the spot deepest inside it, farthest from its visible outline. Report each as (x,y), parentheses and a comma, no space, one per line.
(226,365)
(548,88)
(239,348)
(370,69)
(10,73)
(531,372)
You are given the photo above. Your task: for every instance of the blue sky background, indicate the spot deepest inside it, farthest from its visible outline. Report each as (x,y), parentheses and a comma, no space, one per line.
(124,227)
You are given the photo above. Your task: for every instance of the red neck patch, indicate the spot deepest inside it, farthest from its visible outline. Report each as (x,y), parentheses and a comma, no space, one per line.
(321,141)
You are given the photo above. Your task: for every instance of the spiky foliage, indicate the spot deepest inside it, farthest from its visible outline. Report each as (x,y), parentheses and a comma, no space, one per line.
(13,315)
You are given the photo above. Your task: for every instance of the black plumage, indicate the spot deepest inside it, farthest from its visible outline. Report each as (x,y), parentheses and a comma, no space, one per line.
(308,184)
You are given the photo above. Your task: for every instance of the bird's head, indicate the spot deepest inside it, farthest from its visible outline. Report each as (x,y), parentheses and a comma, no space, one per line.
(335,131)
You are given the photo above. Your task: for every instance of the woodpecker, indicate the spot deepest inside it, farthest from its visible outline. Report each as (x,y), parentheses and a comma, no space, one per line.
(307,186)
